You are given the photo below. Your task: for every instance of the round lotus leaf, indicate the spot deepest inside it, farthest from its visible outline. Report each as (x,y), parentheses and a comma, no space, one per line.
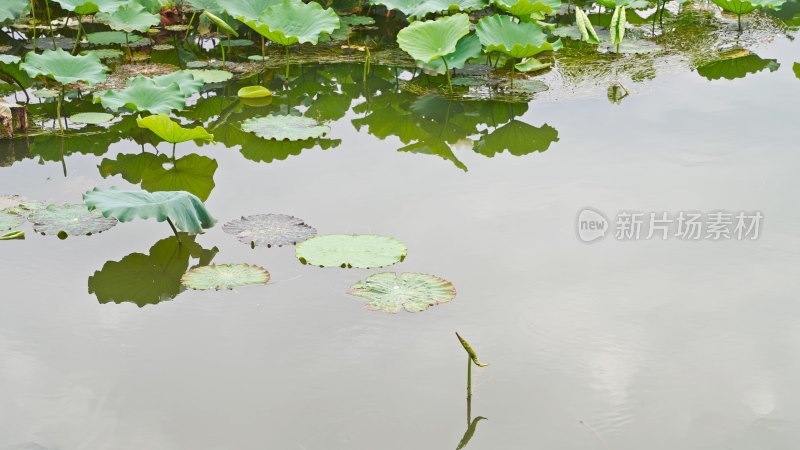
(421,8)
(111,37)
(210,76)
(355,21)
(65,68)
(285,127)
(292,22)
(144,94)
(224,276)
(266,230)
(104,53)
(171,131)
(516,39)
(427,40)
(46,93)
(132,17)
(351,250)
(197,64)
(413,292)
(92,118)
(24,208)
(258,58)
(254,92)
(69,220)
(9,220)
(238,43)
(85,7)
(256,102)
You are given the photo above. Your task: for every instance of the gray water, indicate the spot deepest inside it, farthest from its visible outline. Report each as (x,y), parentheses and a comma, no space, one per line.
(657,344)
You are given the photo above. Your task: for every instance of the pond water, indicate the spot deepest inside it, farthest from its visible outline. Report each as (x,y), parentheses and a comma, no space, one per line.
(633,343)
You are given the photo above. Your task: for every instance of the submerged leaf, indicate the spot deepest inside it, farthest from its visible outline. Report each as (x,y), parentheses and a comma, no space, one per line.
(266,230)
(413,292)
(351,250)
(224,276)
(288,127)
(184,209)
(428,40)
(69,220)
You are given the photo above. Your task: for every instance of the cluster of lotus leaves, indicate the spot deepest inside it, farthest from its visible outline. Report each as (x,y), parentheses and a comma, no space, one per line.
(515,39)
(351,250)
(158,95)
(267,230)
(185,210)
(65,68)
(131,17)
(224,276)
(172,132)
(413,292)
(431,39)
(292,22)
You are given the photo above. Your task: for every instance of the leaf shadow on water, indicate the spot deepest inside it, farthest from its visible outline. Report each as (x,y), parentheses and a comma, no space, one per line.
(149,279)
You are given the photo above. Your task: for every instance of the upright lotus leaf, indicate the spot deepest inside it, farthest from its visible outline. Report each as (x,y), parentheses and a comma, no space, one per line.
(468,47)
(431,39)
(292,22)
(183,209)
(9,220)
(525,8)
(171,131)
(69,220)
(266,230)
(515,39)
(149,279)
(532,65)
(192,173)
(284,127)
(421,8)
(205,5)
(519,138)
(224,276)
(11,72)
(144,94)
(246,10)
(131,17)
(738,67)
(618,26)
(65,68)
(85,7)
(11,9)
(745,6)
(585,27)
(413,292)
(351,250)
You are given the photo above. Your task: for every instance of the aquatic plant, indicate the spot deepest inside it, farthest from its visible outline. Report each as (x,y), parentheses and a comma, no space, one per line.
(144,94)
(171,131)
(740,7)
(472,358)
(429,40)
(11,9)
(253,92)
(421,8)
(364,251)
(224,276)
(267,230)
(221,24)
(528,10)
(12,73)
(87,7)
(285,127)
(69,220)
(91,118)
(185,209)
(585,27)
(617,28)
(738,66)
(413,292)
(130,17)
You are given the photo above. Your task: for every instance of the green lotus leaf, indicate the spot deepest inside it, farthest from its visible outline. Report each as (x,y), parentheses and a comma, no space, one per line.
(266,230)
(12,235)
(618,25)
(633,4)
(210,75)
(239,43)
(519,138)
(183,78)
(131,167)
(739,67)
(11,71)
(585,27)
(11,9)
(149,279)
(191,173)
(224,276)
(796,69)
(112,37)
(220,23)
(293,22)
(413,292)
(356,21)
(184,209)
(254,92)
(421,8)
(532,65)
(745,6)
(92,118)
(171,131)
(46,93)
(518,40)
(524,8)
(280,127)
(468,47)
(104,53)
(26,207)
(69,220)
(365,251)
(205,5)
(144,94)
(9,220)
(431,39)
(131,17)
(65,68)
(246,10)
(84,7)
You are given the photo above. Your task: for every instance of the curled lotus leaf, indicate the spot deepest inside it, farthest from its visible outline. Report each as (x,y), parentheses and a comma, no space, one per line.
(112,37)
(351,250)
(92,118)
(432,39)
(144,94)
(12,235)
(65,68)
(171,131)
(254,92)
(131,17)
(413,292)
(532,65)
(9,220)
(285,127)
(292,22)
(69,220)
(266,230)
(518,40)
(224,276)
(183,208)
(468,47)
(220,23)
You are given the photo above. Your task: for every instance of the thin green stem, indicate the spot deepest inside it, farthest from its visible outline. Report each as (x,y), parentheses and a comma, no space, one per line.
(287,63)
(33,13)
(50,23)
(77,38)
(58,110)
(513,66)
(469,377)
(222,47)
(174,230)
(189,28)
(173,151)
(447,71)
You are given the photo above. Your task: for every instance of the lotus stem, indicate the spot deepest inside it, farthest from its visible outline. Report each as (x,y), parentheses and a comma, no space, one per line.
(513,66)
(174,230)
(739,19)
(50,23)
(227,19)
(469,377)
(78,37)
(33,13)
(189,28)
(222,47)
(58,110)
(63,163)
(263,49)
(447,71)
(287,63)
(173,151)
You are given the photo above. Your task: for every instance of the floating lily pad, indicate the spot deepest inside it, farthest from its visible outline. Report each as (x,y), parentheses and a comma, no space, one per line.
(9,220)
(197,64)
(254,92)
(25,208)
(69,220)
(266,230)
(144,94)
(104,53)
(224,276)
(355,21)
(46,93)
(239,43)
(210,75)
(413,292)
(472,81)
(285,127)
(111,37)
(65,68)
(92,118)
(351,250)
(258,58)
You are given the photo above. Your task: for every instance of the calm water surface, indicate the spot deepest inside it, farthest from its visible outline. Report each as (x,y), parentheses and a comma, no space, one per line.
(654,344)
